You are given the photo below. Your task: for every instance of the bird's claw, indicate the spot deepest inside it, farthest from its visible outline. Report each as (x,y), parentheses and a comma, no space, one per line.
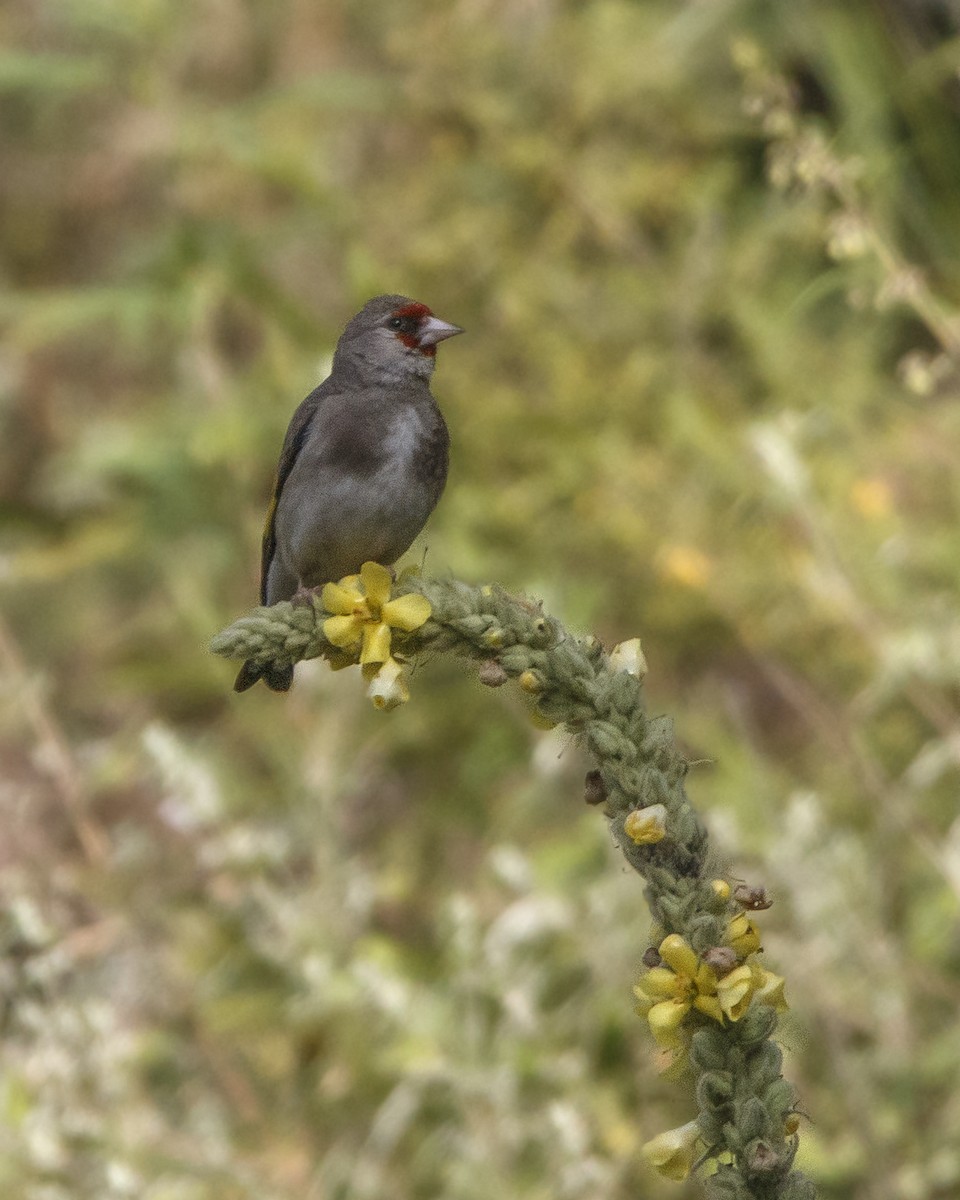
(303,597)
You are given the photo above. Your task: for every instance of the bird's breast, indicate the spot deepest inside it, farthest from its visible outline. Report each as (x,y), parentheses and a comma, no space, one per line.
(411,448)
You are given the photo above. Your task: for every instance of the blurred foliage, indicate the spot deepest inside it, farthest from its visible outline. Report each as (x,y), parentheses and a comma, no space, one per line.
(266,947)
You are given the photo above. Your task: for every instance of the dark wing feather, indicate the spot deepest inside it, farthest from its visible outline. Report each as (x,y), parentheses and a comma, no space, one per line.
(435,457)
(292,445)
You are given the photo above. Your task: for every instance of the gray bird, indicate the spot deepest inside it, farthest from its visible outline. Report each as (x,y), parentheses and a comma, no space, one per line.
(363,463)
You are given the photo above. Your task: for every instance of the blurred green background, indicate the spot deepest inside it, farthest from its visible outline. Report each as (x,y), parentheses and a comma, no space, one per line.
(708,256)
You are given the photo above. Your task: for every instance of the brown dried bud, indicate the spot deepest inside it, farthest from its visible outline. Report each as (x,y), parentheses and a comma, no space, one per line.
(593,790)
(491,673)
(651,958)
(756,899)
(722,959)
(762,1157)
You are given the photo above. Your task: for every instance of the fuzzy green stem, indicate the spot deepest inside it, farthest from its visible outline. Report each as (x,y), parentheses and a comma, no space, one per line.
(743,1100)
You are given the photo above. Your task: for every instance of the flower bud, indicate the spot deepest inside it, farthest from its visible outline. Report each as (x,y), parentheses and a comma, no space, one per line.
(721,958)
(594,791)
(491,673)
(644,826)
(628,656)
(531,682)
(754,898)
(388,688)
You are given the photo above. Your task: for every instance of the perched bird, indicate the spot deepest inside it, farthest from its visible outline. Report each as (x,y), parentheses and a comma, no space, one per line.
(363,463)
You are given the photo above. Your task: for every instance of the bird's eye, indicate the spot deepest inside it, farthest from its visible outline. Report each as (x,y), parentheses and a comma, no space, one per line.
(396,323)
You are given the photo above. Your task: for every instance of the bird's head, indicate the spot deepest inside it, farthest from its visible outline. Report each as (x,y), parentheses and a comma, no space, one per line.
(392,338)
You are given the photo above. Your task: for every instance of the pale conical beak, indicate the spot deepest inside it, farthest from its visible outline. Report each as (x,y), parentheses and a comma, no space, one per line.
(433,330)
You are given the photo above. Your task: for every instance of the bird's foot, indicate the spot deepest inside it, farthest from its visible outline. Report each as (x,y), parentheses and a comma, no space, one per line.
(304,597)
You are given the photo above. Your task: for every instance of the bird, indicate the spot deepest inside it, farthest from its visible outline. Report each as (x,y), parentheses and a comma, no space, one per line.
(363,463)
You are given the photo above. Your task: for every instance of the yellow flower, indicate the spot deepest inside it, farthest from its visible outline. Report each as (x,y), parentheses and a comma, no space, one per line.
(743,935)
(388,688)
(692,983)
(721,889)
(628,656)
(669,992)
(768,989)
(672,1153)
(362,612)
(735,991)
(646,825)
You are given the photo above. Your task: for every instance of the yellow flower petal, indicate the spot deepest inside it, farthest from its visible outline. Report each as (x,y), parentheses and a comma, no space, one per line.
(660,981)
(706,980)
(644,1001)
(710,1007)
(677,953)
(743,935)
(377,582)
(734,992)
(376,643)
(672,1153)
(342,630)
(407,612)
(769,989)
(665,1020)
(336,598)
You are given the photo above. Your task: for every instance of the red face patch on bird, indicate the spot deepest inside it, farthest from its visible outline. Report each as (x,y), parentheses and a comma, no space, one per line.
(406,322)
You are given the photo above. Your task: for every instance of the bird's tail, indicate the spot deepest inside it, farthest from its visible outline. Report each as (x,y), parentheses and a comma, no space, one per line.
(277,676)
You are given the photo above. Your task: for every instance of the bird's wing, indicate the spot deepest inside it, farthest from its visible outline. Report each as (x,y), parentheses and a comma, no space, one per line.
(297,433)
